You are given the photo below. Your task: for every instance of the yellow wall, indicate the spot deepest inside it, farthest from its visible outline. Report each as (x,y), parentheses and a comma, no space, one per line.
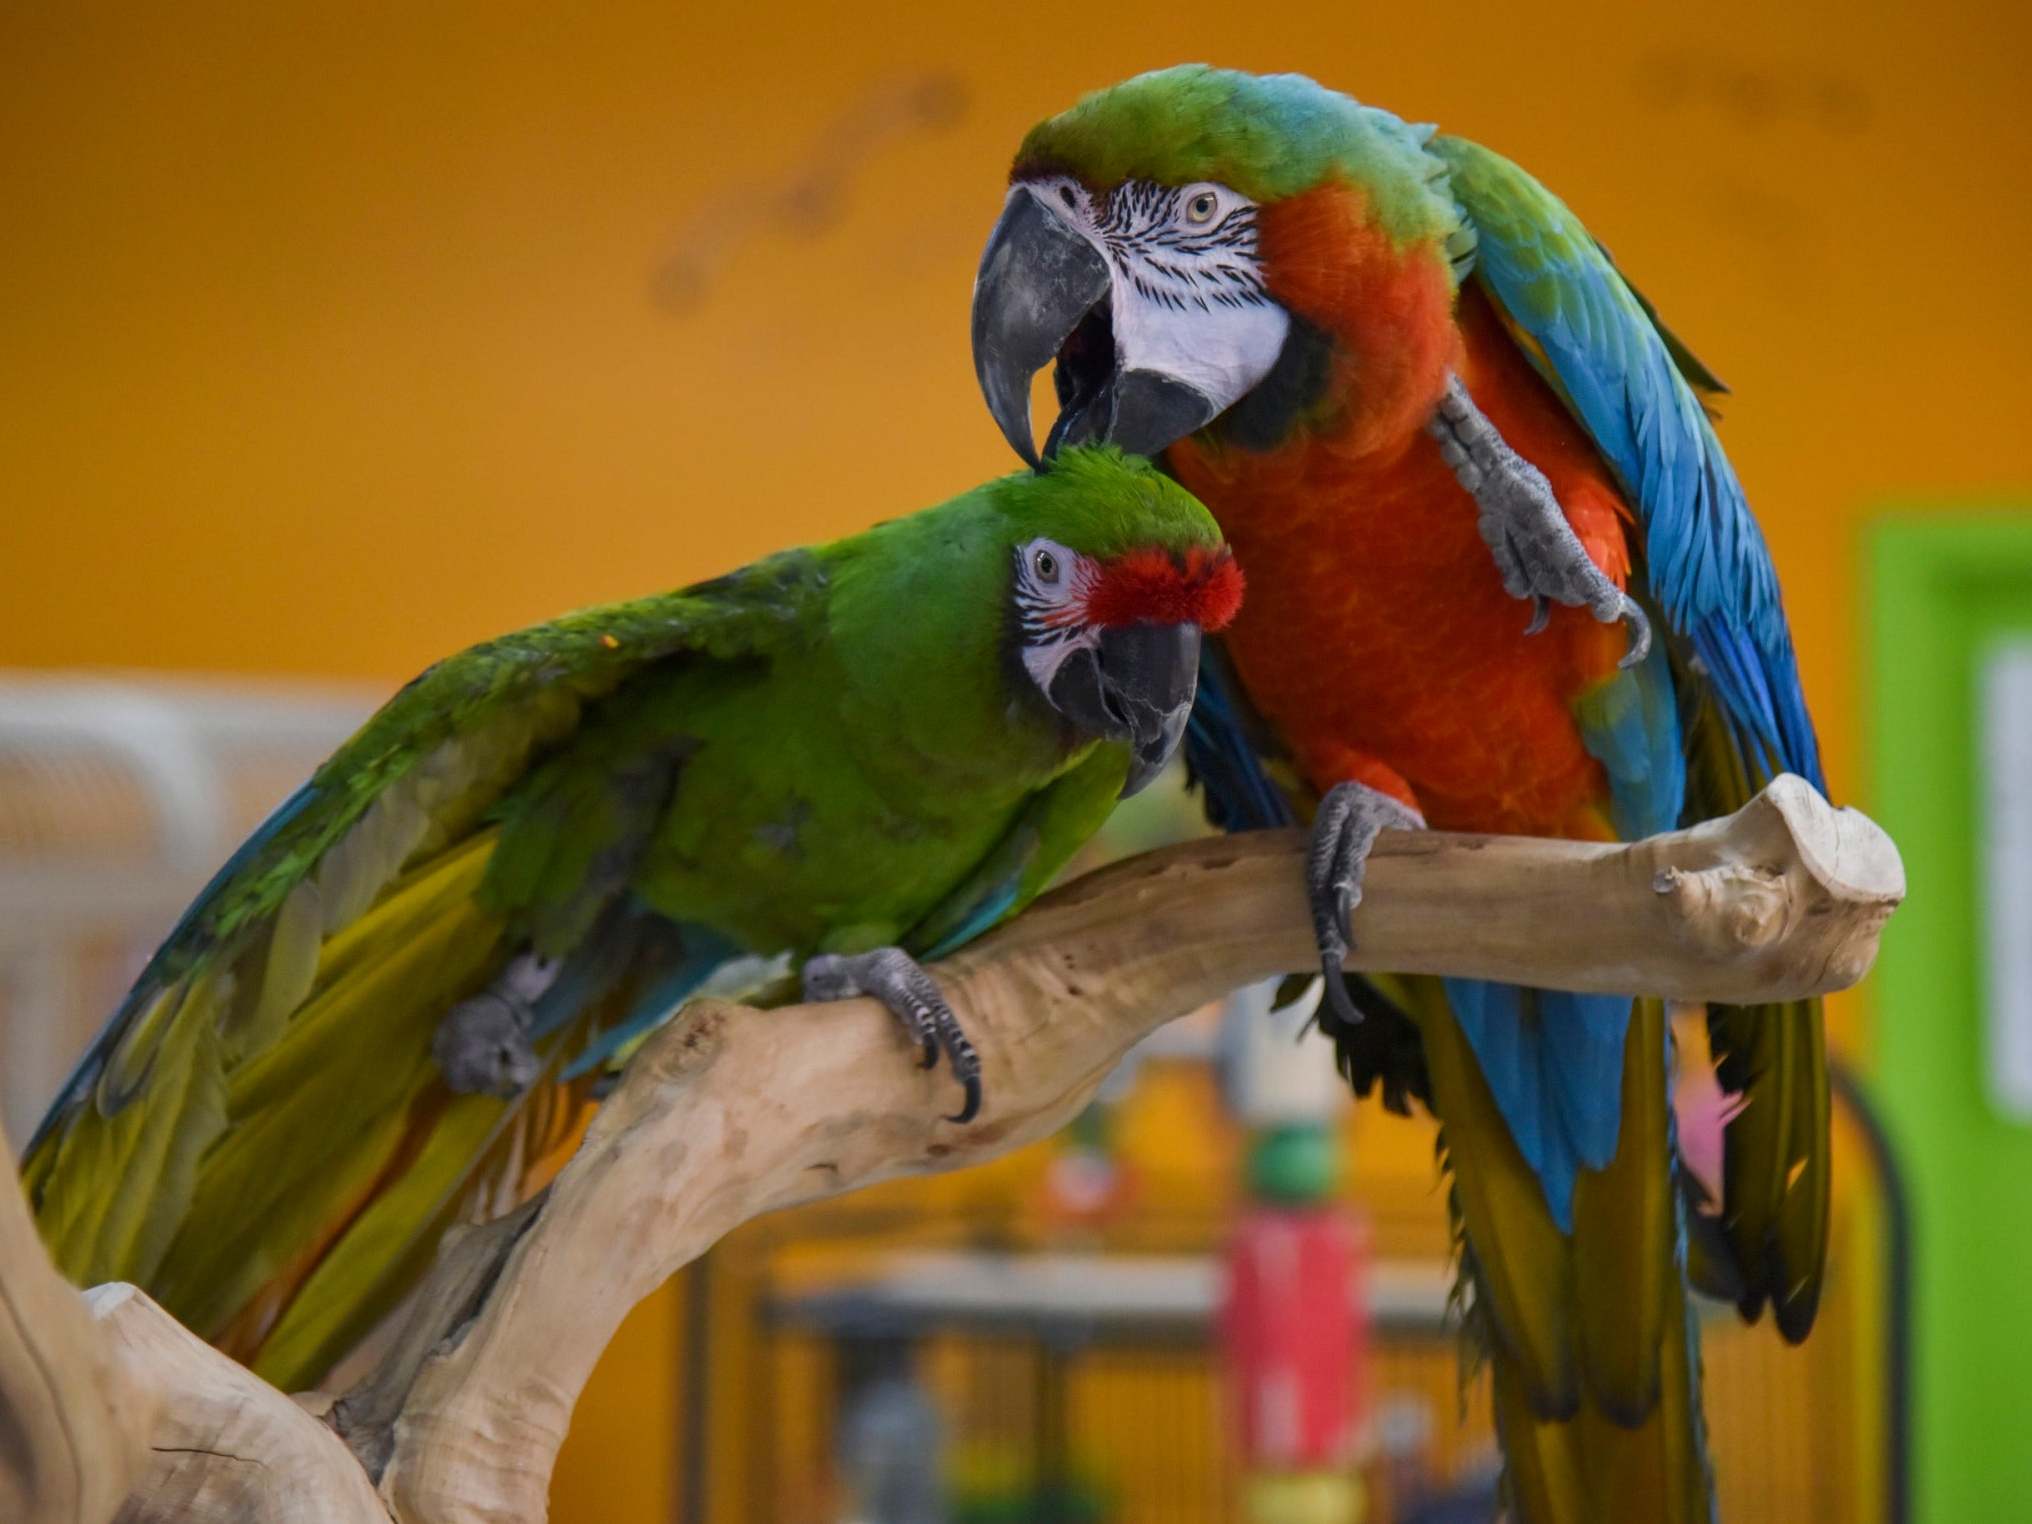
(333,337)
(327,340)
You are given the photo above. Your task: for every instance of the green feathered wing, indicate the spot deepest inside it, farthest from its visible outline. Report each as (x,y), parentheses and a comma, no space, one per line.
(829,751)
(317,963)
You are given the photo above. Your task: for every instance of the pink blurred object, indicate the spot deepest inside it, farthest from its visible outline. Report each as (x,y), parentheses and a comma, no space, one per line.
(1295,1336)
(1704,1108)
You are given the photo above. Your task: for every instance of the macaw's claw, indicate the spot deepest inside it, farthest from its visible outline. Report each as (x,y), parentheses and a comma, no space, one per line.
(483,1048)
(1536,551)
(899,981)
(1343,831)
(482,1045)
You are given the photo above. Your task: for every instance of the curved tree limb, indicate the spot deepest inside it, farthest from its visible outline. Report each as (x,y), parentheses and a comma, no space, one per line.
(728,1112)
(224,1444)
(68,1417)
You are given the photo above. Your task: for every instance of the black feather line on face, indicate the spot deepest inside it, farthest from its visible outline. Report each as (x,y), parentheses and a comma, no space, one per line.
(1139,222)
(1030,705)
(1026,627)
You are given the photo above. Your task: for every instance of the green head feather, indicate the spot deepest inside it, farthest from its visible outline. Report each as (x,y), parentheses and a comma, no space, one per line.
(1267,136)
(1097,500)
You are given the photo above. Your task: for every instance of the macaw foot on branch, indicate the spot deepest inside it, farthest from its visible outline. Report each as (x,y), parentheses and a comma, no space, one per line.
(1343,831)
(482,1045)
(899,981)
(1536,550)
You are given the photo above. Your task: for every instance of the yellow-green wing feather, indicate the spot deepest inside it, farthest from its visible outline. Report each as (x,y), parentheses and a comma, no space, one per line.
(316,964)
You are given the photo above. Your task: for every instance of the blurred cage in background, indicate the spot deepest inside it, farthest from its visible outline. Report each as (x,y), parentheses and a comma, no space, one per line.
(1030,1341)
(1072,1376)
(1070,1381)
(119,797)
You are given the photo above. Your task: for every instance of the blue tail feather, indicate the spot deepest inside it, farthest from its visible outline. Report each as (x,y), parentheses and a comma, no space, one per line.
(1554,1063)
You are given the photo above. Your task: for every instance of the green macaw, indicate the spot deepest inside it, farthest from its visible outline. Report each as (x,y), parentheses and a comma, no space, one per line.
(381,1014)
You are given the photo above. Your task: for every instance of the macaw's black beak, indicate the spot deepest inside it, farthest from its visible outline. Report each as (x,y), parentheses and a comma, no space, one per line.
(1137,687)
(1042,294)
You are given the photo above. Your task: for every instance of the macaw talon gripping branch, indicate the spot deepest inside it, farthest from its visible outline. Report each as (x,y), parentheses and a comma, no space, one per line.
(1344,831)
(899,981)
(1524,527)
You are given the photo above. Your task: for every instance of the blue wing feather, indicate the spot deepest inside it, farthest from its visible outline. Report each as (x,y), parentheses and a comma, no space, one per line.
(704,953)
(1223,757)
(1630,724)
(1596,342)
(984,915)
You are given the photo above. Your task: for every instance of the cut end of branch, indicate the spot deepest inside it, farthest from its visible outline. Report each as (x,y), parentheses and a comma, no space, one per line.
(1789,890)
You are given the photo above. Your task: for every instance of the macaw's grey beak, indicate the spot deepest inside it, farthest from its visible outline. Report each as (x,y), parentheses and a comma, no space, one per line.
(1137,687)
(1042,295)
(1038,279)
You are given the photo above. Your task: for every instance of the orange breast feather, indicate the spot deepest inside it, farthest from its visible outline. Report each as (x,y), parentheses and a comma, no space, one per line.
(1377,637)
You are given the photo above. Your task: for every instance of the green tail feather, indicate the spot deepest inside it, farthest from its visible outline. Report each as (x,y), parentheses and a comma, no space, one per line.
(1776,1166)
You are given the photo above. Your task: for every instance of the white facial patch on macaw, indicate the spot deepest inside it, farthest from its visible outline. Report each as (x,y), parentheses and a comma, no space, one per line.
(1052,587)
(1188,299)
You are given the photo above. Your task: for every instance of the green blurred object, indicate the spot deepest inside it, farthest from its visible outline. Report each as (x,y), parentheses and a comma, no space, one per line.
(1070,1504)
(998,1483)
(1946,595)
(1293,1164)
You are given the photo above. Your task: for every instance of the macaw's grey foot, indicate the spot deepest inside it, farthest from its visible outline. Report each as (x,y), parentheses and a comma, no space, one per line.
(899,981)
(1536,550)
(1343,831)
(482,1046)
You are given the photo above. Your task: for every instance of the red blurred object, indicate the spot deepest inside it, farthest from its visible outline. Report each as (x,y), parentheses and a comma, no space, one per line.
(1295,1333)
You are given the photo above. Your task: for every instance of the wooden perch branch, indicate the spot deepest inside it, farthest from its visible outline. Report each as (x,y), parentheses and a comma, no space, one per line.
(729,1113)
(69,1422)
(225,1444)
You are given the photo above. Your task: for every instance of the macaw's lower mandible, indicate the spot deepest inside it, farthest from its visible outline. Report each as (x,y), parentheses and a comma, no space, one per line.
(1419,398)
(386,1012)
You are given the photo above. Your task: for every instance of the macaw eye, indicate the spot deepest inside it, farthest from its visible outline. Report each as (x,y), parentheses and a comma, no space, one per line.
(1200,206)
(1045,564)
(1071,201)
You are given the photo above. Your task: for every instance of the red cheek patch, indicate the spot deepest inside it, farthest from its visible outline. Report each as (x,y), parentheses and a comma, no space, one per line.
(1204,587)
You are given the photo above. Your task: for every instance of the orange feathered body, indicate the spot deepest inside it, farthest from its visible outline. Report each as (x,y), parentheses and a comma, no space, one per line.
(1362,551)
(1380,646)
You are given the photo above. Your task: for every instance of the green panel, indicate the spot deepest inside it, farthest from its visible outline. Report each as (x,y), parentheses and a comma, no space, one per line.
(1943,590)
